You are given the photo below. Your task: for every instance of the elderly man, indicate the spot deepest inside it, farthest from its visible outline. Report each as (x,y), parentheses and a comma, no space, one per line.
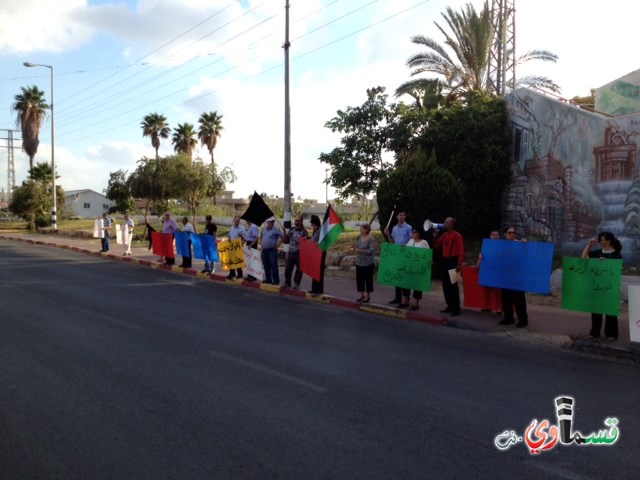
(169,225)
(270,239)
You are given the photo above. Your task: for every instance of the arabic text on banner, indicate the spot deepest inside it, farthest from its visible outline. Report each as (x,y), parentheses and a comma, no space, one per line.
(516,265)
(405,267)
(231,254)
(591,285)
(253,260)
(162,244)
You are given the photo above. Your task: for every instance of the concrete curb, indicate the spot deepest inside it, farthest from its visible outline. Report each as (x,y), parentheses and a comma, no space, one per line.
(579,344)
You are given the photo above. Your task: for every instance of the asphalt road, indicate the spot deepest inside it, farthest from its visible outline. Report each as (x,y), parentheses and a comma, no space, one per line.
(114,371)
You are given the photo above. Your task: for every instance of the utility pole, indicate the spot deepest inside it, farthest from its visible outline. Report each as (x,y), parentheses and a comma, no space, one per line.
(287,125)
(502,61)
(11,166)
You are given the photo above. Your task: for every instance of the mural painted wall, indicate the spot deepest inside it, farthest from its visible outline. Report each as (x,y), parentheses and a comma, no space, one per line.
(574,173)
(620,97)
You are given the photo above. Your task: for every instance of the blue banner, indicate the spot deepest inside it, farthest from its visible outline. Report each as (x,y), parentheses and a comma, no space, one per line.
(205,247)
(182,243)
(516,265)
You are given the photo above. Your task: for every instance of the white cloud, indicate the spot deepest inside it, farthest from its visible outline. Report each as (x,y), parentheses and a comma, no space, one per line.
(34,26)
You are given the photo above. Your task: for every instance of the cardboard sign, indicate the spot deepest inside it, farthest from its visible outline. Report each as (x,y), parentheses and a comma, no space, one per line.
(405,267)
(591,285)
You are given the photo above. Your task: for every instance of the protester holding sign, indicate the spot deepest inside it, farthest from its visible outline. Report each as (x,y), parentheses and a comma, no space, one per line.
(417,241)
(610,248)
(400,234)
(513,299)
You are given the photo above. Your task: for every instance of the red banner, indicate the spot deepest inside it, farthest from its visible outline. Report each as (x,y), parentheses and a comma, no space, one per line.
(477,296)
(162,244)
(310,258)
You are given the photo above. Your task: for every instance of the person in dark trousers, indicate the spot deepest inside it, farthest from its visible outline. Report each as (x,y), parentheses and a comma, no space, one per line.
(292,238)
(317,286)
(210,228)
(610,248)
(451,246)
(400,234)
(513,299)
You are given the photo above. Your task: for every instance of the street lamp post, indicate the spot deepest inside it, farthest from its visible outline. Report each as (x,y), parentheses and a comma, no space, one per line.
(54,220)
(326,186)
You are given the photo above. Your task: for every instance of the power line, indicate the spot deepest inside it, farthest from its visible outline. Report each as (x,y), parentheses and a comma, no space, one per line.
(264,71)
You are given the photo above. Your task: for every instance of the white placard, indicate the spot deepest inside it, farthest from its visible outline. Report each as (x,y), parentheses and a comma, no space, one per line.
(254,263)
(98,232)
(634,313)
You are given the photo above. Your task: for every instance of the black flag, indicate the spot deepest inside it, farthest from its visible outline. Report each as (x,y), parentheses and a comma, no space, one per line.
(258,211)
(150,229)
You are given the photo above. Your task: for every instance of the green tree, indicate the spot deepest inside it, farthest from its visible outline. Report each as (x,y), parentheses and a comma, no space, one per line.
(184,139)
(32,202)
(155,126)
(462,62)
(423,189)
(152,181)
(473,142)
(209,130)
(31,109)
(358,165)
(119,191)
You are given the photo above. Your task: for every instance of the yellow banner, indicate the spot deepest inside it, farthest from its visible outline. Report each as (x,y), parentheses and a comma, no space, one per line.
(231,254)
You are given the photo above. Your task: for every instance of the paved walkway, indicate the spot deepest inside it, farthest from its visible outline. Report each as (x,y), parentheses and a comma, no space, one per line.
(546,323)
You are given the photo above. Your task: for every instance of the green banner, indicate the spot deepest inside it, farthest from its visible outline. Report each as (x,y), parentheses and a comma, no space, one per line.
(591,285)
(405,267)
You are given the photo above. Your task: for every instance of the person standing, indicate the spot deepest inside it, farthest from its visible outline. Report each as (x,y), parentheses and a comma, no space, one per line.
(210,229)
(251,237)
(365,248)
(189,230)
(106,232)
(169,225)
(513,299)
(270,239)
(610,248)
(451,246)
(401,234)
(418,241)
(317,286)
(293,237)
(128,231)
(236,231)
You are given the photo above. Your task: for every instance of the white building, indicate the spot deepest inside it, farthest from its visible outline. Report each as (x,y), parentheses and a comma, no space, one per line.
(87,203)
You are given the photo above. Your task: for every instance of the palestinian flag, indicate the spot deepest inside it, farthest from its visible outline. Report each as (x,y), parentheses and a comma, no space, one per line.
(331,229)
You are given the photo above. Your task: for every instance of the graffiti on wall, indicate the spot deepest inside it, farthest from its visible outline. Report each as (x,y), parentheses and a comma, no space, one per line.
(574,173)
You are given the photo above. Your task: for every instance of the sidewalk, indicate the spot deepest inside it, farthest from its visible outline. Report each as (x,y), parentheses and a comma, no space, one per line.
(547,324)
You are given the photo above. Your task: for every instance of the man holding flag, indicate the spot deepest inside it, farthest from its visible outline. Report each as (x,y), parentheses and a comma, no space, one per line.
(325,236)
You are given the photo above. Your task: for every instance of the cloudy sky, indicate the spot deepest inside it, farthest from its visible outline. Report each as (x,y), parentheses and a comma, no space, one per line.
(118,60)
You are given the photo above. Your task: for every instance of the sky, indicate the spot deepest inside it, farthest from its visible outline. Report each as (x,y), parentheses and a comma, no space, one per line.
(117,61)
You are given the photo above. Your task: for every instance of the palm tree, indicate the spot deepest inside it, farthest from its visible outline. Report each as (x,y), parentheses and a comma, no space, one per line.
(209,130)
(155,126)
(184,139)
(31,108)
(470,40)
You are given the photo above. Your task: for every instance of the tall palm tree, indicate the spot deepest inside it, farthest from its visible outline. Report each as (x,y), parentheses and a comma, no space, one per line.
(184,139)
(469,37)
(31,108)
(155,126)
(209,130)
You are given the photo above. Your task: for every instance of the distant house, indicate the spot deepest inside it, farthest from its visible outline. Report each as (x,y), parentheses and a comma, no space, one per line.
(87,203)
